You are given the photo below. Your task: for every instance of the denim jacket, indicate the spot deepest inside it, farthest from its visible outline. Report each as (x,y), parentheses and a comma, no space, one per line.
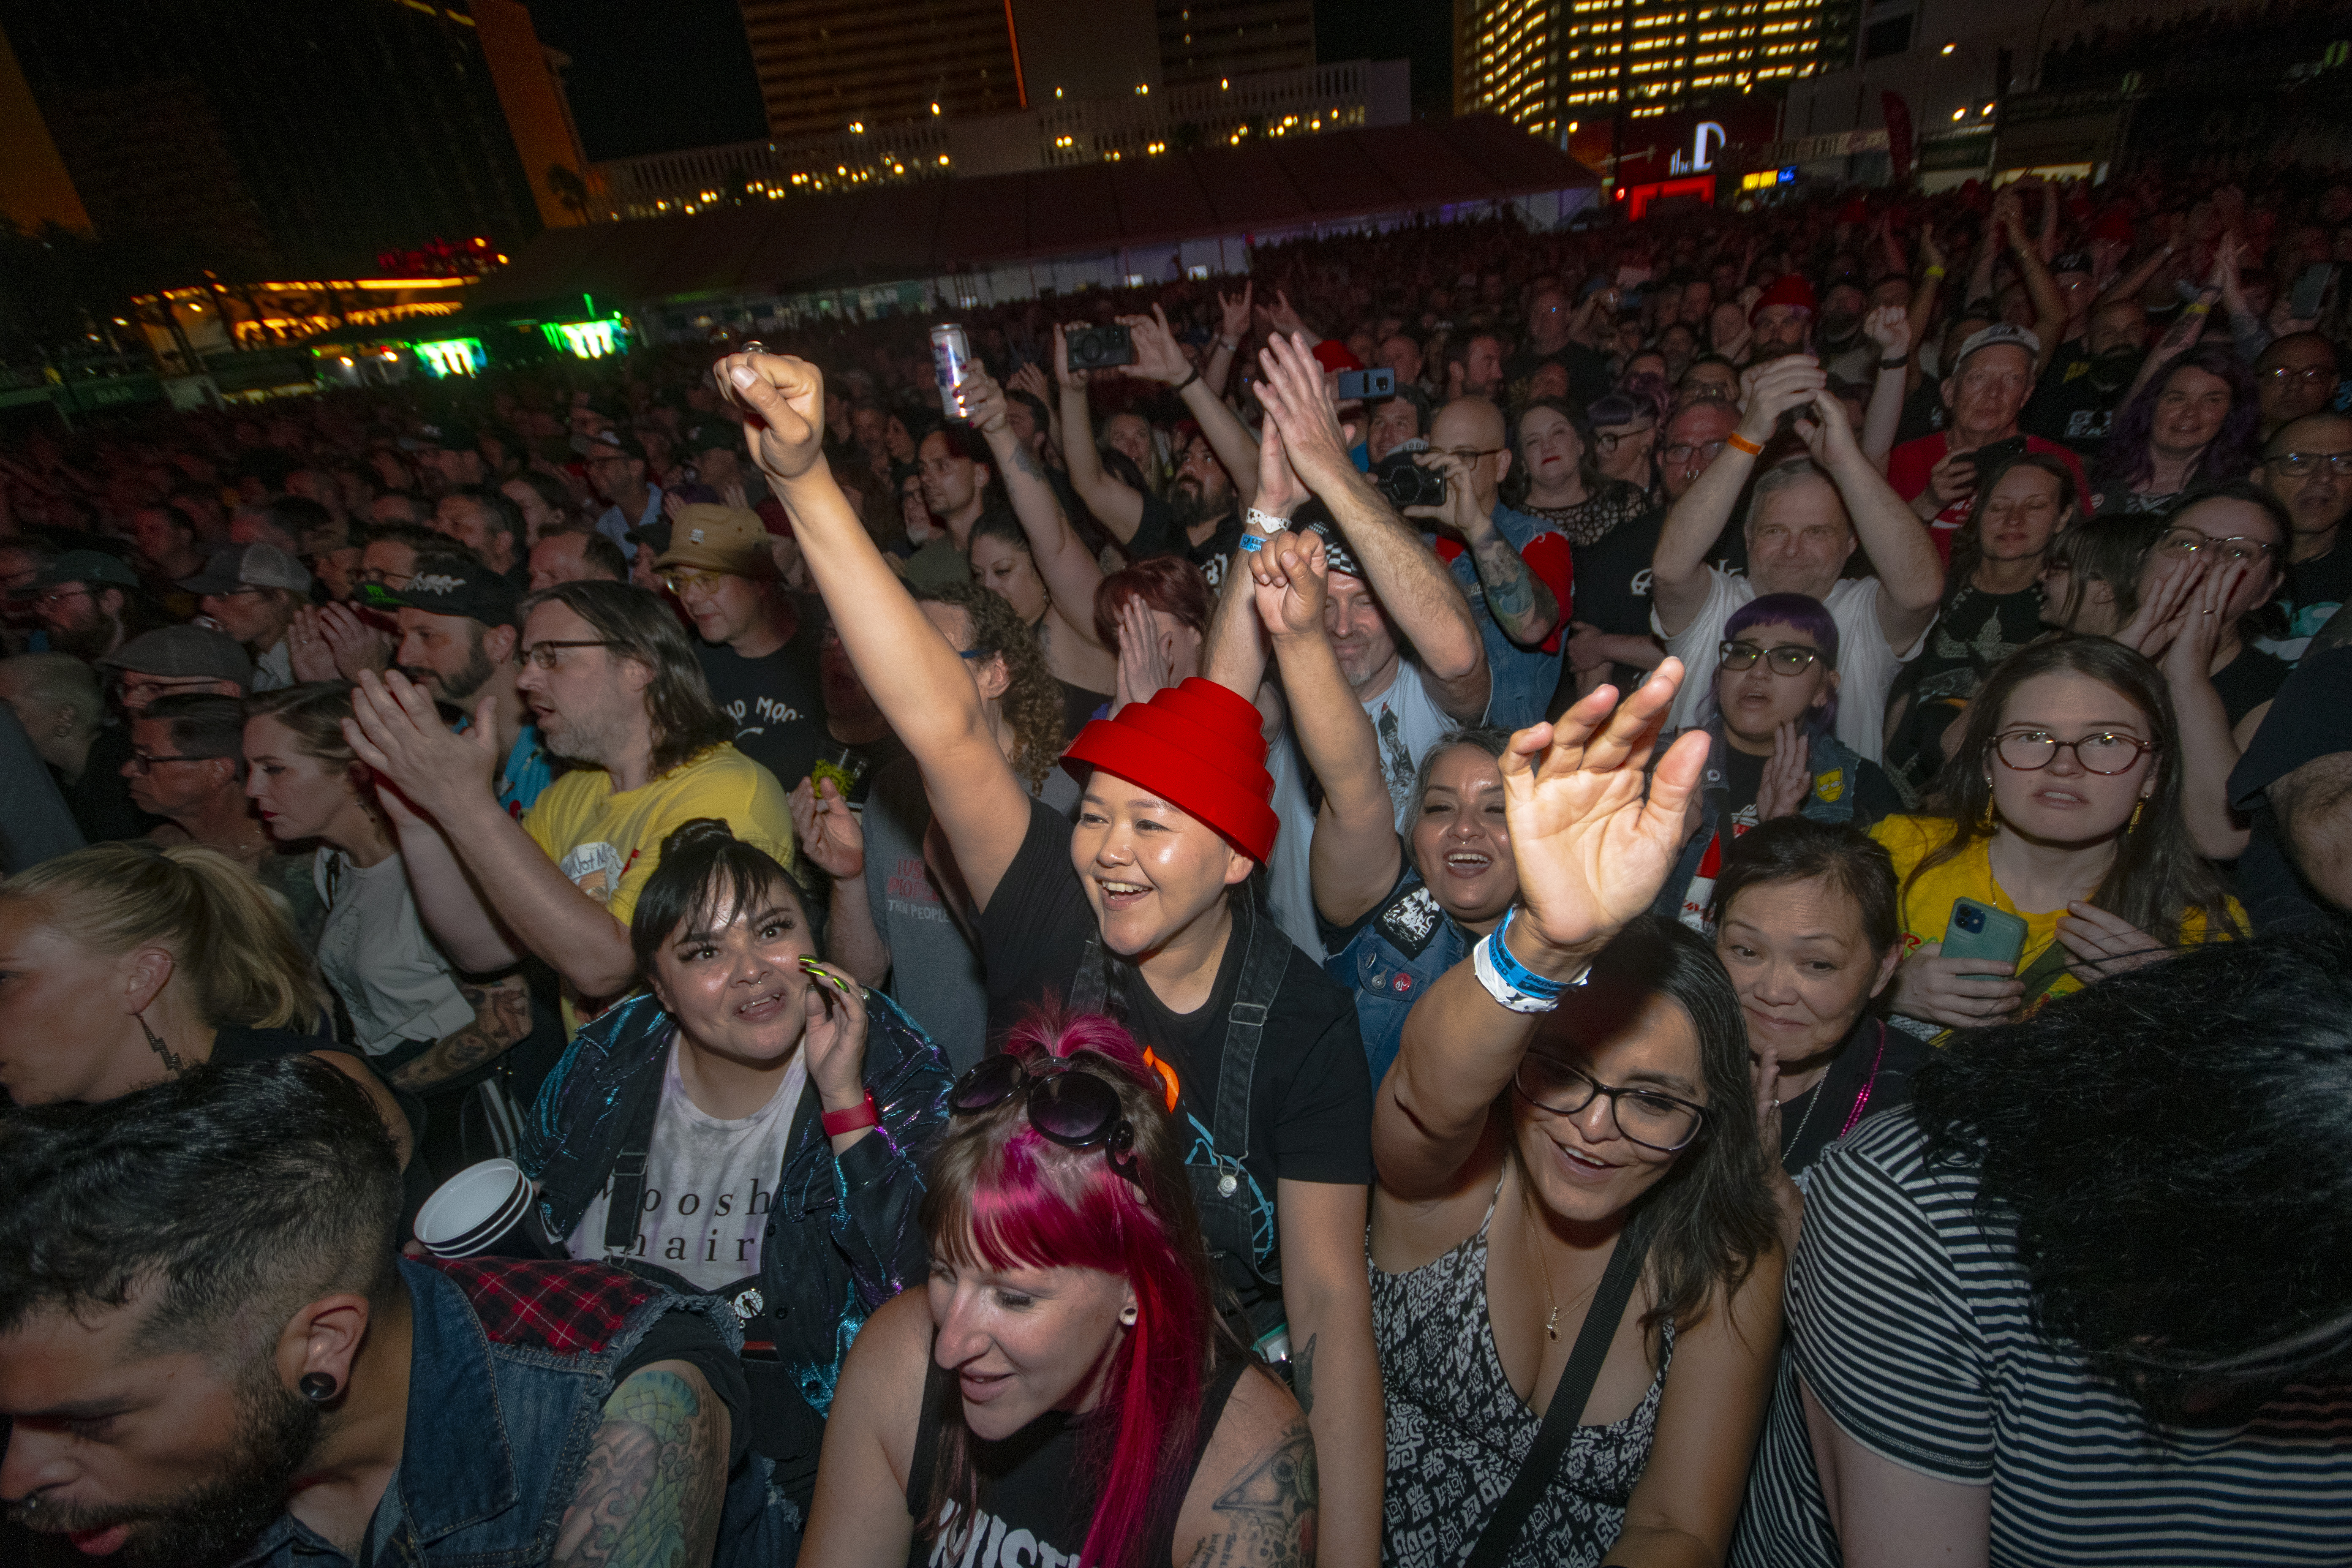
(1837,780)
(1524,676)
(509,1370)
(1397,952)
(845,1236)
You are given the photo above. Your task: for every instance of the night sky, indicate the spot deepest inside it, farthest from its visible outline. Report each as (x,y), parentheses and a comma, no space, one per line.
(656,78)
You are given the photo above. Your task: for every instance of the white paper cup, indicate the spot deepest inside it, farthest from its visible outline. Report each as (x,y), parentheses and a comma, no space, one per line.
(474,1211)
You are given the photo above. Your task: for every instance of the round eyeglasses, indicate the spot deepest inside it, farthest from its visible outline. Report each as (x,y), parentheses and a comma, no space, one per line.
(1789,658)
(2185,543)
(2104,751)
(1654,1121)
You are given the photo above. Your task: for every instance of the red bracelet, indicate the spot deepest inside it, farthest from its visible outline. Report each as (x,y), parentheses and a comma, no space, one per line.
(856,1118)
(1741,443)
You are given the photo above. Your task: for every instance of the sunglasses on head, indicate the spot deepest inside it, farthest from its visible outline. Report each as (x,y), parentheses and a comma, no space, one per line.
(1067,1105)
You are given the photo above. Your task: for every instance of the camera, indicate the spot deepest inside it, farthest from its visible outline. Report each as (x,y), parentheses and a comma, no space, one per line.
(1358,386)
(1405,482)
(1101,348)
(1969,919)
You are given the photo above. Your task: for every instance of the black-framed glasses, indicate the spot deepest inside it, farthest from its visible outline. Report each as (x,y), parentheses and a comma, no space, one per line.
(1606,441)
(2308,375)
(139,762)
(1789,658)
(2302,465)
(58,595)
(2104,751)
(1683,451)
(1066,1105)
(2183,543)
(1654,1121)
(395,581)
(544,654)
(1468,454)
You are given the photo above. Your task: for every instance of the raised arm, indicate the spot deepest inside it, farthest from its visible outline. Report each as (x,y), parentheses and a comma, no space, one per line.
(1115,506)
(1910,575)
(912,674)
(1413,586)
(1356,853)
(1069,570)
(1678,569)
(1923,300)
(1157,358)
(1522,603)
(1890,329)
(1233,332)
(2209,748)
(2049,305)
(1592,853)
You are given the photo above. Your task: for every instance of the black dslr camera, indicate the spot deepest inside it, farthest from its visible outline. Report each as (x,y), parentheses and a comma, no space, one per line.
(1101,348)
(1405,482)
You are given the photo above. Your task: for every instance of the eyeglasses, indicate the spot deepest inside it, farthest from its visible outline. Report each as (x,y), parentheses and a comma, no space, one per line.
(2302,465)
(1683,451)
(1067,1105)
(1469,453)
(543,655)
(2104,753)
(685,583)
(395,581)
(2309,375)
(1654,1121)
(139,762)
(1789,658)
(59,595)
(1606,441)
(2183,543)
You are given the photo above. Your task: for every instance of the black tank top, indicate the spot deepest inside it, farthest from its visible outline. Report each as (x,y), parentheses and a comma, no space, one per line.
(1026,1483)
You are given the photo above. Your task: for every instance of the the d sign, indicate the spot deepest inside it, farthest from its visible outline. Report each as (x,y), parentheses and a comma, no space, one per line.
(1705,141)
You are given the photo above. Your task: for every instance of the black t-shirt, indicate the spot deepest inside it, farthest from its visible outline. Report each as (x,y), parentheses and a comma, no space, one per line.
(2067,407)
(240,1045)
(1311,1100)
(2314,590)
(688,1337)
(1158,534)
(101,799)
(853,767)
(1923,412)
(1612,576)
(775,701)
(2248,682)
(1876,1059)
(2311,718)
(1588,372)
(1973,632)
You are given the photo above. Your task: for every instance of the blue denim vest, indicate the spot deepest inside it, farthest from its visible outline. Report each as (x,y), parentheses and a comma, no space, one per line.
(1524,676)
(1837,773)
(1397,953)
(498,1434)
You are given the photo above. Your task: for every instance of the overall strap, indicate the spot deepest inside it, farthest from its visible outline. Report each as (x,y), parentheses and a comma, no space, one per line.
(620,1212)
(1265,957)
(1568,1400)
(1090,986)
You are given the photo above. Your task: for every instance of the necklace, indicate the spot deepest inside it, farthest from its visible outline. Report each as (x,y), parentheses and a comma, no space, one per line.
(1799,1135)
(1535,1241)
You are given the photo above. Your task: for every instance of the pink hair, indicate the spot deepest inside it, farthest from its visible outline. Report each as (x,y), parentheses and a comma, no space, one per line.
(1025,1202)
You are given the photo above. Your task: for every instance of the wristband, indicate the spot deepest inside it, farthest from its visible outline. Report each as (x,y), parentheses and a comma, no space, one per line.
(2196,308)
(1180,387)
(856,1118)
(1900,362)
(1230,346)
(1265,522)
(1933,273)
(1511,982)
(1739,442)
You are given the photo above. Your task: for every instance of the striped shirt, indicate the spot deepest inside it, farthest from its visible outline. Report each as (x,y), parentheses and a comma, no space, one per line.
(1912,1323)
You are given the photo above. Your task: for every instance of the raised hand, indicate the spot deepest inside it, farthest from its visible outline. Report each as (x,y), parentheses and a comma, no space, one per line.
(1788,773)
(1953,479)
(396,730)
(1234,311)
(1592,844)
(1279,490)
(306,643)
(833,1044)
(2201,621)
(1157,356)
(787,394)
(356,642)
(828,830)
(1828,433)
(1298,404)
(1292,583)
(1071,380)
(1459,511)
(1031,379)
(1147,661)
(983,401)
(1889,326)
(1773,388)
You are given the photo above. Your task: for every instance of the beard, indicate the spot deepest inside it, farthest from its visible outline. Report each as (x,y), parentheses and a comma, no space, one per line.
(1836,329)
(458,688)
(214,1521)
(1194,506)
(88,640)
(2112,370)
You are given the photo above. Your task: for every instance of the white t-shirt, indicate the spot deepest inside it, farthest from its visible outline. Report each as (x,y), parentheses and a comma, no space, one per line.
(1406,721)
(709,1185)
(374,952)
(1866,664)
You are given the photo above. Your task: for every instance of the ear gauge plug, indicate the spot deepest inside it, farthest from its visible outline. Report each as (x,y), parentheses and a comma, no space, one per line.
(318,1387)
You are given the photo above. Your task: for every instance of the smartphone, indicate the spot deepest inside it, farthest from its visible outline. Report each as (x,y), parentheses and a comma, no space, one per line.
(1995,454)
(1980,930)
(2310,291)
(1355,385)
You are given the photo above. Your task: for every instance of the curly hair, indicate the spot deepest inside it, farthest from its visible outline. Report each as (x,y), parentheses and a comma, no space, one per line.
(2126,460)
(2185,1225)
(1032,703)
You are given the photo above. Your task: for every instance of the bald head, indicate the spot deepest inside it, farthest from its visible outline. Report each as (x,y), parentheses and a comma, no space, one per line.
(57,700)
(1473,423)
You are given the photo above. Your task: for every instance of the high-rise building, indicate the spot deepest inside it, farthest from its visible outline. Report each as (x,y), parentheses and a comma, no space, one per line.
(1205,40)
(827,64)
(295,138)
(1544,64)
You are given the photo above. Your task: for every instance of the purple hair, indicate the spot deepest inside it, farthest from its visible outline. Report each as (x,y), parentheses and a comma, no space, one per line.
(1798,613)
(2126,461)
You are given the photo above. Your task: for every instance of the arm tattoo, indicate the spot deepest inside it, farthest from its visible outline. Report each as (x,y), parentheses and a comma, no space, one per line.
(1027,461)
(649,1494)
(1302,1377)
(1268,1515)
(1510,588)
(502,1017)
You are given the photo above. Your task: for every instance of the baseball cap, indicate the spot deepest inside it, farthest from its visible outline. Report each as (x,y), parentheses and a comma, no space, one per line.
(1317,518)
(709,434)
(85,567)
(1197,746)
(1996,336)
(183,651)
(1788,289)
(613,444)
(449,585)
(235,566)
(717,538)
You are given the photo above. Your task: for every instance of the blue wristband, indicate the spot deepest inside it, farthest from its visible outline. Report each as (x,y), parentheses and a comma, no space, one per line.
(1514,973)
(1252,542)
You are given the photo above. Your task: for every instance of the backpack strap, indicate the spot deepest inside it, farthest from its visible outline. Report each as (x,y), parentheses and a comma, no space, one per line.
(629,1178)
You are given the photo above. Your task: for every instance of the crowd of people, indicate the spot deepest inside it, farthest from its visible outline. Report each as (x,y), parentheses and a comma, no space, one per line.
(1196,962)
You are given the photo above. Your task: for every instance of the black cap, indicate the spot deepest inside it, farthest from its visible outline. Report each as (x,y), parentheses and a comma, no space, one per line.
(94,567)
(449,585)
(711,434)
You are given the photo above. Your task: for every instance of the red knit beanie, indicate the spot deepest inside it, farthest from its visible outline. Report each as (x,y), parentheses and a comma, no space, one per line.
(1788,289)
(1197,746)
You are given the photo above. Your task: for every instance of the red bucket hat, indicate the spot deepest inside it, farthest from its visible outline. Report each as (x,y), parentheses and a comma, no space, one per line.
(1197,746)
(1333,355)
(1788,289)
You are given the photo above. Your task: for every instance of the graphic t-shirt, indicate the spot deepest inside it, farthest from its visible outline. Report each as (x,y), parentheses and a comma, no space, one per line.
(1743,777)
(1407,722)
(2313,590)
(709,1184)
(608,842)
(1158,534)
(775,700)
(1973,632)
(2067,406)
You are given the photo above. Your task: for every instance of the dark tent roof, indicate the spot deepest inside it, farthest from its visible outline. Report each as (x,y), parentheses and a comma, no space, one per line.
(924,229)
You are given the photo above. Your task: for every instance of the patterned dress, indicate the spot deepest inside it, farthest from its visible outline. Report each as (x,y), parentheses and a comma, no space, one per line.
(1457,1431)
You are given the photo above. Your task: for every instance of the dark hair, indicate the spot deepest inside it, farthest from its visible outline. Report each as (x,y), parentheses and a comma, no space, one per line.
(1522,478)
(2185,1224)
(203,726)
(2104,547)
(1487,738)
(687,722)
(550,490)
(995,522)
(1122,467)
(2158,874)
(2126,461)
(505,516)
(709,877)
(1167,582)
(314,713)
(1415,399)
(1032,703)
(1799,849)
(1708,1218)
(1968,543)
(238,1194)
(596,551)
(1035,405)
(414,535)
(1799,612)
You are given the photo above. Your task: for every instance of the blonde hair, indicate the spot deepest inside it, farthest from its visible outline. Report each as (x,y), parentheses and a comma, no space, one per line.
(231,940)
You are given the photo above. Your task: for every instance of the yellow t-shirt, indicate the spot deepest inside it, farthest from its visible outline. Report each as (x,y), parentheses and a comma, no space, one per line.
(608,842)
(1927,905)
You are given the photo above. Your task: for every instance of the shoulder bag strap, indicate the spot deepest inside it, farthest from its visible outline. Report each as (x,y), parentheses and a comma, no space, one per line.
(1568,1400)
(621,1211)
